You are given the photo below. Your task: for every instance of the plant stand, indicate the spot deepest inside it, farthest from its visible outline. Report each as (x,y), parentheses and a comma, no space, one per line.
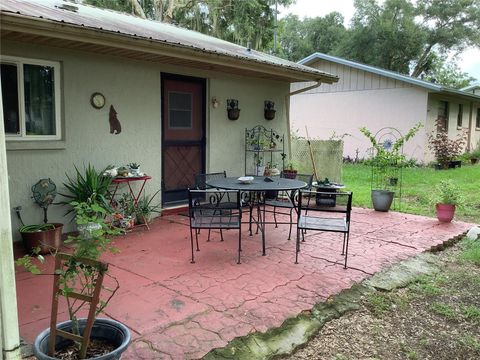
(262,147)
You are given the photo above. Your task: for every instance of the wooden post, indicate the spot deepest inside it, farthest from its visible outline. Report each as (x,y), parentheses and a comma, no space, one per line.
(311,155)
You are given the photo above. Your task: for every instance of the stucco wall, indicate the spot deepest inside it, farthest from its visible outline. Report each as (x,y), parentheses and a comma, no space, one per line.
(345,112)
(134,89)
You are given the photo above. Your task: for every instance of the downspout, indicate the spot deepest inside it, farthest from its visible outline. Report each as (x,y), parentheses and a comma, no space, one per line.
(470,128)
(287,104)
(9,336)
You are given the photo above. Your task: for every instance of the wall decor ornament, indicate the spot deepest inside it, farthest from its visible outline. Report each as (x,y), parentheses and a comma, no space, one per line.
(232,109)
(269,111)
(115,126)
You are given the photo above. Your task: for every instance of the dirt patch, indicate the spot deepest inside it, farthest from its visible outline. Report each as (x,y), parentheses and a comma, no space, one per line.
(435,317)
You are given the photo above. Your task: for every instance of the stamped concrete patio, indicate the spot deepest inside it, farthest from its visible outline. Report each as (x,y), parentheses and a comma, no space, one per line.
(178,310)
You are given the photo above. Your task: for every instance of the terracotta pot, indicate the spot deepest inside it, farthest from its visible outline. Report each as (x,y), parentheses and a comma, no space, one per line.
(47,240)
(289,174)
(445,212)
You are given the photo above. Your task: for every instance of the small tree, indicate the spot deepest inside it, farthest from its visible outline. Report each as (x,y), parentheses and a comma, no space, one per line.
(444,148)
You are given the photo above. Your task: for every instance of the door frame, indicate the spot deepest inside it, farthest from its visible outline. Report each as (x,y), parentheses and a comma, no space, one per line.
(203,143)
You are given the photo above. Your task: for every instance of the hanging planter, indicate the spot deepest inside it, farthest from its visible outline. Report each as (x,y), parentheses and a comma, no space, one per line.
(269,111)
(233,111)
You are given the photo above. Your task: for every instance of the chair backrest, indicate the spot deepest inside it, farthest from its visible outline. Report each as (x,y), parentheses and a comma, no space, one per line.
(308,178)
(212,199)
(202,179)
(338,202)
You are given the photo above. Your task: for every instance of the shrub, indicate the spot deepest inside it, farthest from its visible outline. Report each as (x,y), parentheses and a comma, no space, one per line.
(447,192)
(444,148)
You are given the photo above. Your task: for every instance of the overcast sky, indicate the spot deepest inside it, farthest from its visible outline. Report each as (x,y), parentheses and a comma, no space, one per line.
(469,61)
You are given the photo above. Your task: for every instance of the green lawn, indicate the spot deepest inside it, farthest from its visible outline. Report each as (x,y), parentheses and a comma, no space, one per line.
(417,187)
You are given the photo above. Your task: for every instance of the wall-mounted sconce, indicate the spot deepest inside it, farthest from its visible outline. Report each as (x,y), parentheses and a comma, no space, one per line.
(269,111)
(215,102)
(232,109)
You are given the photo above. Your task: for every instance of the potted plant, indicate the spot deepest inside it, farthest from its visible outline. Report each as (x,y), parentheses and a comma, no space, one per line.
(80,273)
(41,238)
(290,172)
(474,155)
(128,210)
(445,149)
(145,208)
(446,198)
(134,168)
(387,157)
(91,185)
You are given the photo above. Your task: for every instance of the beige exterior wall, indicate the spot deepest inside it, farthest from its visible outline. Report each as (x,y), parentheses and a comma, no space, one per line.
(453,129)
(134,88)
(360,99)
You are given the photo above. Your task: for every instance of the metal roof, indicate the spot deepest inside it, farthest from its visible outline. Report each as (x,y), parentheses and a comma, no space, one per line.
(159,34)
(387,73)
(475,85)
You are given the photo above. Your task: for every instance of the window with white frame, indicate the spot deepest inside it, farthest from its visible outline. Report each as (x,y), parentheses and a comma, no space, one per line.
(31,99)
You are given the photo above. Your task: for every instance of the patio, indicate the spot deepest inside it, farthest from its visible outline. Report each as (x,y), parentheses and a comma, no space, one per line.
(180,310)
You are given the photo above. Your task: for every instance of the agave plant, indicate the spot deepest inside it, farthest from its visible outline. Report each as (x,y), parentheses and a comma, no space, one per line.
(91,185)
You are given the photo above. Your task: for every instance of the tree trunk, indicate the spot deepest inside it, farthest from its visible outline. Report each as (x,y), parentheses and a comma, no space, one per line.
(137,9)
(158,6)
(421,62)
(168,16)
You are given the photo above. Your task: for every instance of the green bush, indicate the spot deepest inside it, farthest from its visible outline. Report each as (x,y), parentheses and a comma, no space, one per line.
(447,192)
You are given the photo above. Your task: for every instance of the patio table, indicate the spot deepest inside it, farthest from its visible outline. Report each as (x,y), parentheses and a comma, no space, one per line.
(256,190)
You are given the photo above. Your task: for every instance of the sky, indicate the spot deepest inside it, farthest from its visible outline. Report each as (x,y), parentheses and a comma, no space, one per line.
(468,61)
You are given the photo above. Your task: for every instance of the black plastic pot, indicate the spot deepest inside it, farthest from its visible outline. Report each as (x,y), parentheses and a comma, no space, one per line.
(103,329)
(382,199)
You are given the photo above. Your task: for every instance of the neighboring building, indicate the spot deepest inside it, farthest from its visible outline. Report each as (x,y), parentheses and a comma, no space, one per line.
(474,88)
(377,98)
(169,87)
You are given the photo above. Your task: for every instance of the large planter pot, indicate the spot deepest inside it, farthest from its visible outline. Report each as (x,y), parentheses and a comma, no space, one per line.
(382,199)
(290,174)
(46,240)
(103,329)
(445,212)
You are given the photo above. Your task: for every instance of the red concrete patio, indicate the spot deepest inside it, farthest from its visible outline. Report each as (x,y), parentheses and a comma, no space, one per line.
(179,310)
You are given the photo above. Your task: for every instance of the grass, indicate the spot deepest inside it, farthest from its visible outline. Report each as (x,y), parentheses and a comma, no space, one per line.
(418,184)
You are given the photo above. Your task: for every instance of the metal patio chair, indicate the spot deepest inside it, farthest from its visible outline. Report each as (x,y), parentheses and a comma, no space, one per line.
(324,218)
(214,209)
(286,200)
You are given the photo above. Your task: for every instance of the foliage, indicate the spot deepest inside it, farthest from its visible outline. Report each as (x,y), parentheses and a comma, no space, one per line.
(91,185)
(238,21)
(447,192)
(444,148)
(36,228)
(386,158)
(76,275)
(134,165)
(447,73)
(471,252)
(145,207)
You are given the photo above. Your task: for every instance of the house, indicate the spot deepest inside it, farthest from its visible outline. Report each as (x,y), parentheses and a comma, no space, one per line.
(376,98)
(474,88)
(70,71)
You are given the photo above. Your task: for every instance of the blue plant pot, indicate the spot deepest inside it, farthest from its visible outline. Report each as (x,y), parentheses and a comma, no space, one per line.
(103,329)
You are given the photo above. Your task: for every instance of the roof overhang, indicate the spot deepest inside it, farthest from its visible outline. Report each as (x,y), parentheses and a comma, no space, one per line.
(18,27)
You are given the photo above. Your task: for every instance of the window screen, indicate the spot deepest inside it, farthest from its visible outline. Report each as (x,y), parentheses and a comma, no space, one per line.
(180,110)
(460,115)
(11,119)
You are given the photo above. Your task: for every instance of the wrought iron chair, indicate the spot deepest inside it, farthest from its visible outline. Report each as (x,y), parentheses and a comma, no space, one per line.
(201,181)
(317,220)
(214,209)
(286,200)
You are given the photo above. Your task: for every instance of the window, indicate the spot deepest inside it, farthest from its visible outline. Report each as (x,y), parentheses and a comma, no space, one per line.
(31,99)
(180,110)
(478,118)
(443,110)
(460,115)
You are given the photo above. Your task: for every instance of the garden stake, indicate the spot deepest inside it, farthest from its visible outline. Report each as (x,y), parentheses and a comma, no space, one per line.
(311,155)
